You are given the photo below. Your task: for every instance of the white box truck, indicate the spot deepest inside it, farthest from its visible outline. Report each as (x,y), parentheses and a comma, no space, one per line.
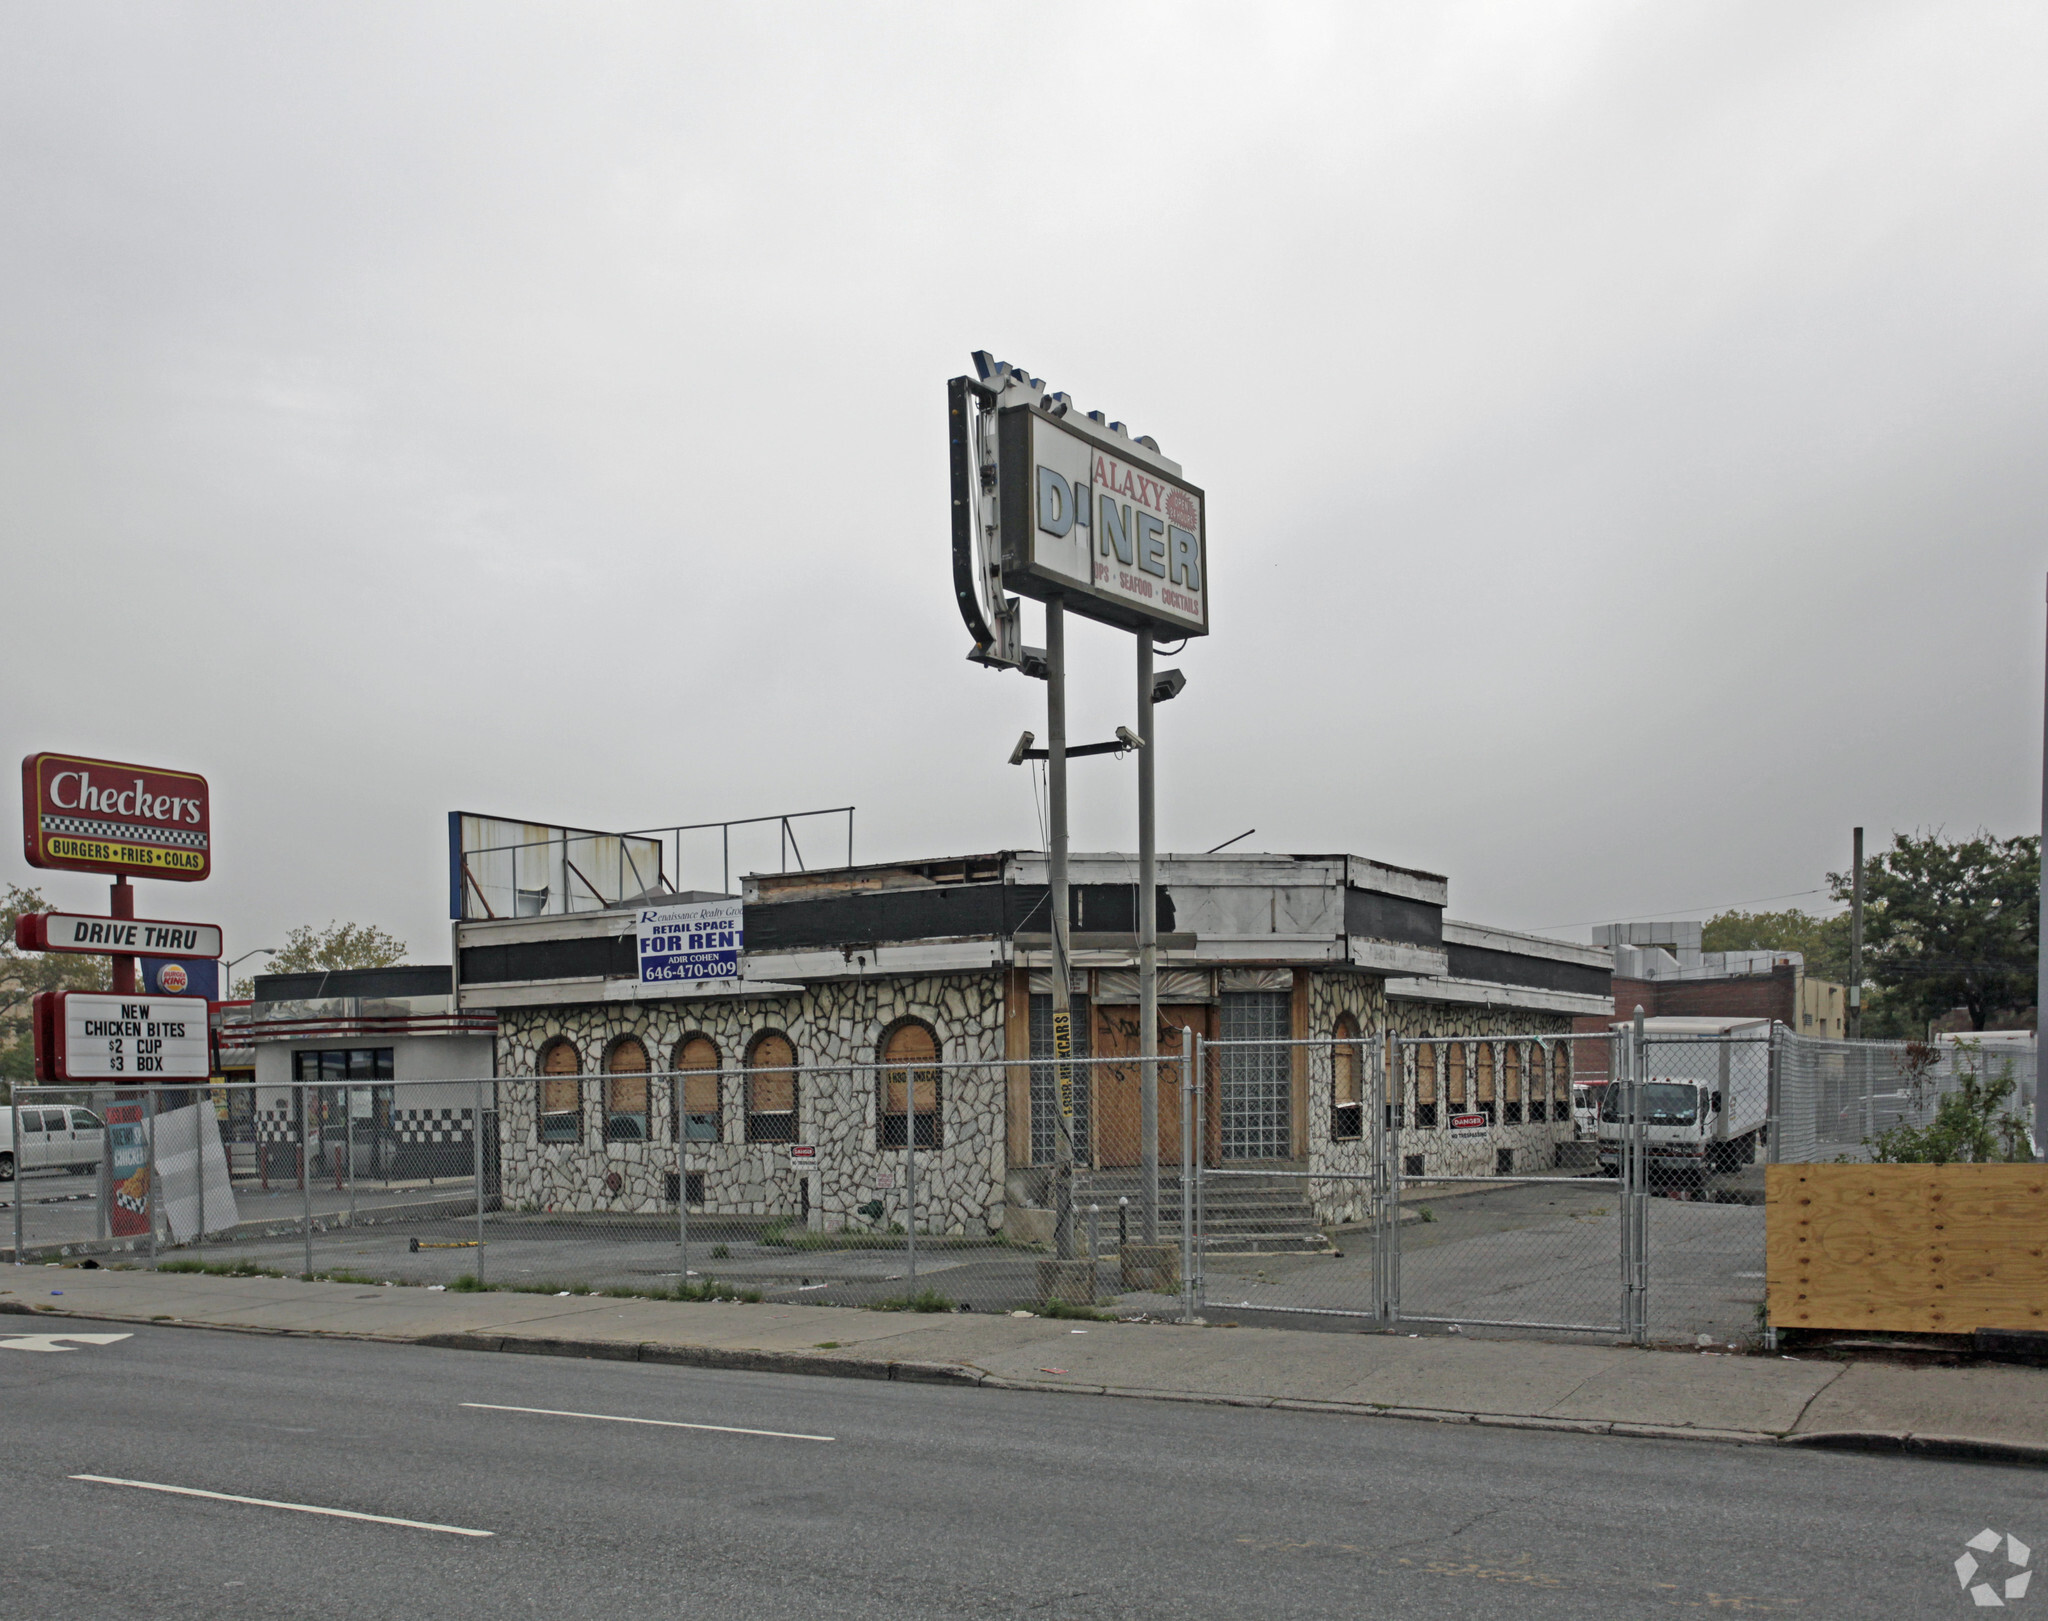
(1705,1096)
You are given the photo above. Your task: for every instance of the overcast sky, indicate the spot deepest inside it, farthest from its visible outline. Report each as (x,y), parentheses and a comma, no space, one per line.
(1622,426)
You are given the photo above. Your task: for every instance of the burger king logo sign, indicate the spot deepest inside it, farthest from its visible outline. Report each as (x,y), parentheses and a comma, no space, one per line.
(173,978)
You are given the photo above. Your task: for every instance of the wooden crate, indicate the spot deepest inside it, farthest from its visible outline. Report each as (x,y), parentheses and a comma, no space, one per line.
(1911,1249)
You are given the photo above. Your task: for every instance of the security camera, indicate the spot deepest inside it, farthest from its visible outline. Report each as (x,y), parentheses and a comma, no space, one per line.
(1129,738)
(1167,684)
(1017,754)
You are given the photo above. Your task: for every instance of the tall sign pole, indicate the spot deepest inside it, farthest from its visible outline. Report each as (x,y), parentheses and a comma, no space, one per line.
(1148,954)
(1056,903)
(1073,509)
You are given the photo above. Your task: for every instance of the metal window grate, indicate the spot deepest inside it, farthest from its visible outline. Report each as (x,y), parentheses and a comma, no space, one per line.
(1045,1103)
(1256,1089)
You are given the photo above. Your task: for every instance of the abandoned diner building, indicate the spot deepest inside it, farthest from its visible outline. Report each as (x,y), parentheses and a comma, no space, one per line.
(620,1096)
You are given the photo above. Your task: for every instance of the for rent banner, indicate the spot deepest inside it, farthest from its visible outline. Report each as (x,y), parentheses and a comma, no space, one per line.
(693,941)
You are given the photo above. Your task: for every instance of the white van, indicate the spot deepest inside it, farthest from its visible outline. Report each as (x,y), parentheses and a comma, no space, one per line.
(54,1136)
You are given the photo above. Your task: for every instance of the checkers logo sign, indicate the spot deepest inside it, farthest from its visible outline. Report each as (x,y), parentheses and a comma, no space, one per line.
(1993,1584)
(108,816)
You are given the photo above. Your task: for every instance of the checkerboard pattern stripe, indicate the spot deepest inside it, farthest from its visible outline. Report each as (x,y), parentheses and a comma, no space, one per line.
(85,827)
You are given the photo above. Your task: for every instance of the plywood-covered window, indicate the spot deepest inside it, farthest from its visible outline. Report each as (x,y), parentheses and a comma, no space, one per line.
(561,1092)
(1560,1079)
(1454,1076)
(1482,1080)
(625,1091)
(1511,1083)
(910,1091)
(1347,1079)
(1425,1085)
(771,1089)
(696,1090)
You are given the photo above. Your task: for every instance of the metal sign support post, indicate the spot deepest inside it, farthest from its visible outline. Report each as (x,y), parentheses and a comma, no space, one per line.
(1056,901)
(1148,955)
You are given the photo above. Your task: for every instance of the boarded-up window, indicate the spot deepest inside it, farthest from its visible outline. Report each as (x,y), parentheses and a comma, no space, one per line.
(908,1091)
(625,1092)
(1425,1085)
(1561,1076)
(1454,1076)
(771,1089)
(1511,1083)
(561,1094)
(1482,1077)
(697,1087)
(1347,1079)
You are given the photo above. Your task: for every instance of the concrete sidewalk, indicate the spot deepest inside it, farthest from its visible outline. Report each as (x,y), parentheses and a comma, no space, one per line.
(1993,1412)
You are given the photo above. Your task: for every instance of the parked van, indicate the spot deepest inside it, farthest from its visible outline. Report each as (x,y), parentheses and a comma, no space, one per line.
(52,1137)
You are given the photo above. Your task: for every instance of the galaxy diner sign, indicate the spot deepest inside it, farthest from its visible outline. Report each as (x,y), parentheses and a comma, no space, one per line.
(1087,517)
(106,816)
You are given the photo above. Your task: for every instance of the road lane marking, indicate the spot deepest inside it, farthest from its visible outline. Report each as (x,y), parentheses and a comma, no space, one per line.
(296,1508)
(663,1423)
(48,1342)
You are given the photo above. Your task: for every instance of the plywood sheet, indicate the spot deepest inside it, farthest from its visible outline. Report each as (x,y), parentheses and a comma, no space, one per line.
(1916,1249)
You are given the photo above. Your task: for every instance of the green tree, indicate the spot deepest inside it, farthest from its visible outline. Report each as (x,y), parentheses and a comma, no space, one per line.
(1950,923)
(1822,941)
(308,950)
(24,973)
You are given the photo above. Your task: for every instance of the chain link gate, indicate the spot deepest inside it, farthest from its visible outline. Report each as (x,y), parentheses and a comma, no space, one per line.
(1462,1244)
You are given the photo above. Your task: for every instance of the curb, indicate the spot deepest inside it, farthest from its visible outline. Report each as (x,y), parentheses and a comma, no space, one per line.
(1956,1448)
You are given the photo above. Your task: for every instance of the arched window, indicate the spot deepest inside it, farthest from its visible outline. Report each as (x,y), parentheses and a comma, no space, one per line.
(1425,1086)
(1560,1079)
(561,1093)
(1511,1083)
(697,1090)
(1347,1079)
(907,1092)
(1454,1076)
(625,1092)
(1482,1077)
(771,1089)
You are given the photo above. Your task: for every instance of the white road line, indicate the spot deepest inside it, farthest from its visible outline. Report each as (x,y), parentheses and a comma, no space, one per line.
(297,1508)
(664,1423)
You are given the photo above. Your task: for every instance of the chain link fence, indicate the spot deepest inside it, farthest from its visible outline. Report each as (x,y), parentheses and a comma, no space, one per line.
(1835,1099)
(1484,1184)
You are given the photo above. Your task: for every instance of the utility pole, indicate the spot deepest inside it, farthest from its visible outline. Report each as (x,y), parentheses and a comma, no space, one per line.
(2040,954)
(1056,900)
(1148,955)
(1856,938)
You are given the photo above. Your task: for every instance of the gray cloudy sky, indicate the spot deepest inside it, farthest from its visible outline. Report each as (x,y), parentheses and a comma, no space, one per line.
(1622,424)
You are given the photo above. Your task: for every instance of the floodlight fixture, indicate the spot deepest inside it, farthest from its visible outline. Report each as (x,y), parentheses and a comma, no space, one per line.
(1167,684)
(1023,748)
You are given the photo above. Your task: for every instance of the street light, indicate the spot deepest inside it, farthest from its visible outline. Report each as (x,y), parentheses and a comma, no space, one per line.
(228,973)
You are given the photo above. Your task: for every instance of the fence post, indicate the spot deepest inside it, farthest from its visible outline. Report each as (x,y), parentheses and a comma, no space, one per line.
(199,1165)
(683,1161)
(305,1174)
(910,1174)
(149,1105)
(20,1175)
(1201,1150)
(476,1165)
(1187,1175)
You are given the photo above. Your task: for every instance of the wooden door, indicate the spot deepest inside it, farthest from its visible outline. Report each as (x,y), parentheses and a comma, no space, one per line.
(1119,1097)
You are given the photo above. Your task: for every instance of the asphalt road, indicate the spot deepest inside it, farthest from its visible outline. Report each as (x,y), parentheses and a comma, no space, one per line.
(927,1501)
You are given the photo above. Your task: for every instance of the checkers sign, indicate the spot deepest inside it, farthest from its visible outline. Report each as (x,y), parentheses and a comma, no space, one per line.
(90,815)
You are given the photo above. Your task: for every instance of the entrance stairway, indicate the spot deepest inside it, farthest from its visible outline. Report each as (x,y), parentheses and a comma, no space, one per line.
(1245,1214)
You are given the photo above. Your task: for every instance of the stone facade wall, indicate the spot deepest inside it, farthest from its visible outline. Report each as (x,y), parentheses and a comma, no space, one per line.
(959,1183)
(1363,996)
